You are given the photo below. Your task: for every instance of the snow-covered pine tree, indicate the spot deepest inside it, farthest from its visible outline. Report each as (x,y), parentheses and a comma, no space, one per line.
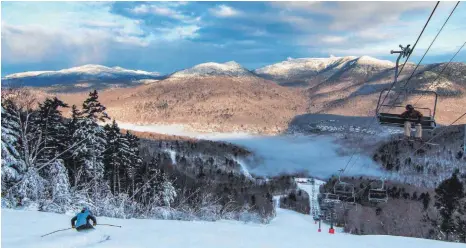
(117,158)
(124,155)
(30,186)
(58,187)
(12,165)
(168,192)
(148,178)
(135,161)
(71,162)
(93,109)
(52,127)
(90,153)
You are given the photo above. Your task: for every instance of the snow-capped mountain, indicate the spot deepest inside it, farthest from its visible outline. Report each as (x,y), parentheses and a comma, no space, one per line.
(80,74)
(305,70)
(229,69)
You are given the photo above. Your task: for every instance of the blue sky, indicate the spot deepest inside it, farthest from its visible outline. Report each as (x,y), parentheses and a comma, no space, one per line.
(169,36)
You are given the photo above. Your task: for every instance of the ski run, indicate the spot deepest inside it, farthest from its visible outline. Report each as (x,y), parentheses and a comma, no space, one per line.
(22,228)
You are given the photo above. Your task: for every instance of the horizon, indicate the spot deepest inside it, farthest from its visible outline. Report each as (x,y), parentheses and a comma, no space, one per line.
(166,37)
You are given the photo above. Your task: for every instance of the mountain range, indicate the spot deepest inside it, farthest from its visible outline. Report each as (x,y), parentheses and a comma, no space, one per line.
(229,97)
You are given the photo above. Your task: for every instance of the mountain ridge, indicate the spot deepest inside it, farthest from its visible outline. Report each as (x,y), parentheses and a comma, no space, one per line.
(228,97)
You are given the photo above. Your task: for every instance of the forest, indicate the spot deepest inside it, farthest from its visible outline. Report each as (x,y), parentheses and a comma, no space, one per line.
(59,164)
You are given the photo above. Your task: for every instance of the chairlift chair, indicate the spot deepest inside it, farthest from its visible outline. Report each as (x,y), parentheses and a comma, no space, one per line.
(331,198)
(378,195)
(394,119)
(344,190)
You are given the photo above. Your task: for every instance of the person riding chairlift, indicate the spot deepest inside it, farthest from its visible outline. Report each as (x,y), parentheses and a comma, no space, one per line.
(82,220)
(412,115)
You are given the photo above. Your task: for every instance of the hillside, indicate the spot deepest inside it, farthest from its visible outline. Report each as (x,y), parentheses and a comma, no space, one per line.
(221,97)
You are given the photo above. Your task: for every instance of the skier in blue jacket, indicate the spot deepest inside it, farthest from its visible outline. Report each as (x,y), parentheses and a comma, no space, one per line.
(82,220)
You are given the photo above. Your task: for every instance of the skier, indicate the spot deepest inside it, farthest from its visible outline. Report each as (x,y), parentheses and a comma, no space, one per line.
(412,115)
(82,220)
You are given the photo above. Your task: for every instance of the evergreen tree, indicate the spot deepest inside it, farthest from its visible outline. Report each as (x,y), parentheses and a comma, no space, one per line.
(168,192)
(447,200)
(52,129)
(147,183)
(135,161)
(93,109)
(12,165)
(117,158)
(92,138)
(90,153)
(59,198)
(73,124)
(426,201)
(71,162)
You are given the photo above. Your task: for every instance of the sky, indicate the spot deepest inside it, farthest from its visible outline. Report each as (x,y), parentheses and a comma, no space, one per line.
(169,36)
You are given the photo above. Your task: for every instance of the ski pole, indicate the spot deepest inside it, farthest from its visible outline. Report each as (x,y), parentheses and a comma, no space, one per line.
(56,231)
(108,225)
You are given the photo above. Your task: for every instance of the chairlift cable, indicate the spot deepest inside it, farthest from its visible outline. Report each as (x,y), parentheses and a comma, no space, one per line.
(409,55)
(425,53)
(419,37)
(393,84)
(441,72)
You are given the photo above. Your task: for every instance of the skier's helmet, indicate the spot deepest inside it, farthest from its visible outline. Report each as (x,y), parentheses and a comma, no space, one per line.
(409,107)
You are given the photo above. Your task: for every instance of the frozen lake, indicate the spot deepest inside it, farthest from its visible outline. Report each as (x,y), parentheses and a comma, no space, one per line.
(316,155)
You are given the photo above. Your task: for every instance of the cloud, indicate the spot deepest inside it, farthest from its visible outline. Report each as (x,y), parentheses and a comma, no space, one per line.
(224,11)
(148,35)
(334,39)
(29,44)
(180,32)
(354,15)
(165,11)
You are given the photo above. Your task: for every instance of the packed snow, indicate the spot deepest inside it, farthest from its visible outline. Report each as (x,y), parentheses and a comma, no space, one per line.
(231,68)
(273,155)
(23,229)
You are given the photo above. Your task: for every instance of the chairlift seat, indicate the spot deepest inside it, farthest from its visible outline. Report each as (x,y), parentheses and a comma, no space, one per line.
(378,195)
(331,198)
(427,122)
(395,119)
(343,189)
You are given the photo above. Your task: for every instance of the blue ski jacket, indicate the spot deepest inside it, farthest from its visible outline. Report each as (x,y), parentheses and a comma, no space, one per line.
(83,218)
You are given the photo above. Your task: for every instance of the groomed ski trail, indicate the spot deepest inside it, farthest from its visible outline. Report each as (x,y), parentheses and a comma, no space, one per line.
(22,229)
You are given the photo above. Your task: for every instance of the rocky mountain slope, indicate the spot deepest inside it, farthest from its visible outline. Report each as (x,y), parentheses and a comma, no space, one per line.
(311,71)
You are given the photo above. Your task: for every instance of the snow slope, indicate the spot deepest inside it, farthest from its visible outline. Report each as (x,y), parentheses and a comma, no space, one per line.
(305,185)
(307,66)
(22,229)
(85,69)
(85,73)
(280,154)
(231,69)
